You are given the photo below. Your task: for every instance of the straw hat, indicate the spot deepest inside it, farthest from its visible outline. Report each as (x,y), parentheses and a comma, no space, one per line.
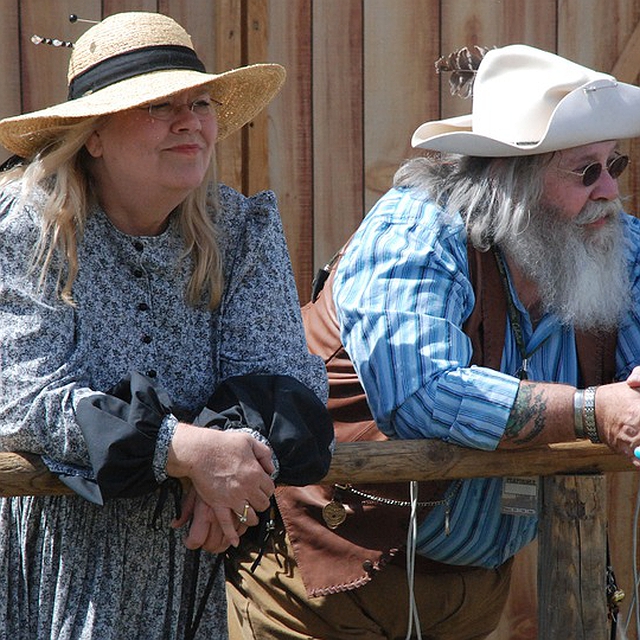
(130,59)
(528,101)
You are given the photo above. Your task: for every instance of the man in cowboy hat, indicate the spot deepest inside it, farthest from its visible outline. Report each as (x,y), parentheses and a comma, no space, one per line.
(489,299)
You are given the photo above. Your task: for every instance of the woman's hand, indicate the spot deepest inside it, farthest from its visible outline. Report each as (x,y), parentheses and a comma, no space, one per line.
(212,528)
(227,468)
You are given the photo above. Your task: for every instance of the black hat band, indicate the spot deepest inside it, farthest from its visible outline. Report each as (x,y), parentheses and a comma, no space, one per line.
(131,64)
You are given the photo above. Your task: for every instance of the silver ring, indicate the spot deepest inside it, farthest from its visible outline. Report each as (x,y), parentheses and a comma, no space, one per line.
(244,516)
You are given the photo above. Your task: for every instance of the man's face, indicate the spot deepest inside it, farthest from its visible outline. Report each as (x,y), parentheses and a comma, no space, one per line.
(564,189)
(573,246)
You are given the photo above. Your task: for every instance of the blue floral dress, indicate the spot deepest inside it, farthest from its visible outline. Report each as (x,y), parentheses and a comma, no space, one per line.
(72,569)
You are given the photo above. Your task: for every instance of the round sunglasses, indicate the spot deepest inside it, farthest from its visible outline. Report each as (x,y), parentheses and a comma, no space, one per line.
(592,172)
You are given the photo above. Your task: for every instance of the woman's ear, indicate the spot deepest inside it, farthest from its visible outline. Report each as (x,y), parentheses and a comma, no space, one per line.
(94,145)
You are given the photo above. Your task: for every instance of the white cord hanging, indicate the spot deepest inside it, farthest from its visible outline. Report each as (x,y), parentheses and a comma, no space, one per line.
(414,616)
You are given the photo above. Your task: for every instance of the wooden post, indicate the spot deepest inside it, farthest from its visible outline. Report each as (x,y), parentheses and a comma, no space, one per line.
(572,558)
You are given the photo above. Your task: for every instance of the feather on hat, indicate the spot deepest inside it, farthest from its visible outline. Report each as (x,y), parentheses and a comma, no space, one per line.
(528,101)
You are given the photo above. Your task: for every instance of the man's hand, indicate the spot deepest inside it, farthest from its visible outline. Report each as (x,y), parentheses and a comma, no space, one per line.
(543,414)
(618,415)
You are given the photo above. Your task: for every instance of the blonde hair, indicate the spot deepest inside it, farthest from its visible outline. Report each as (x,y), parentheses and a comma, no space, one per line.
(60,169)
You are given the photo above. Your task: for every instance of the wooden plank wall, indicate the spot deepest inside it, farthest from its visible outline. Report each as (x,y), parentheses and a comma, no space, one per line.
(360,80)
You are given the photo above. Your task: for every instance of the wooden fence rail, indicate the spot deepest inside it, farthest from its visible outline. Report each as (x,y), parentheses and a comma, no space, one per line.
(393,461)
(572,538)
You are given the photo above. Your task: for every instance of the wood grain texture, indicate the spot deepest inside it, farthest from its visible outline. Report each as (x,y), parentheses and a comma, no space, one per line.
(572,549)
(256,171)
(290,132)
(337,99)
(492,23)
(623,493)
(44,67)
(10,49)
(200,20)
(24,474)
(406,460)
(400,90)
(627,66)
(116,6)
(224,48)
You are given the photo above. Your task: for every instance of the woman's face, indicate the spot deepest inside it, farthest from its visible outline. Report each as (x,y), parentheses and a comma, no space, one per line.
(160,159)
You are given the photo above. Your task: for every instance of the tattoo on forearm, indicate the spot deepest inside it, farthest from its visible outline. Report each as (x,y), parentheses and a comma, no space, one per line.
(530,406)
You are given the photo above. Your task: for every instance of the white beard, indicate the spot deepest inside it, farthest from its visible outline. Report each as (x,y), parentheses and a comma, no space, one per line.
(581,274)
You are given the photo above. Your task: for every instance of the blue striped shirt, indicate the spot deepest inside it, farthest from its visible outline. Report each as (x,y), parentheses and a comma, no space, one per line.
(403,293)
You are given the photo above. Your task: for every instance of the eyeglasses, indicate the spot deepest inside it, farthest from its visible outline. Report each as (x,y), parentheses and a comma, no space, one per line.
(202,107)
(592,172)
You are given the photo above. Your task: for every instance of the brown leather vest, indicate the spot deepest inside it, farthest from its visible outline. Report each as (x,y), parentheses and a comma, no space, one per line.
(348,556)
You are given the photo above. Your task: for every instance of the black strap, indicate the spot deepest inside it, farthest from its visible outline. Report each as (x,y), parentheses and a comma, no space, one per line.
(513,317)
(194,621)
(321,276)
(266,527)
(131,64)
(10,163)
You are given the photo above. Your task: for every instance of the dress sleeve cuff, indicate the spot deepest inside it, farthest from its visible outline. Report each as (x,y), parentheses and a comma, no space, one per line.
(121,429)
(161,452)
(260,438)
(283,411)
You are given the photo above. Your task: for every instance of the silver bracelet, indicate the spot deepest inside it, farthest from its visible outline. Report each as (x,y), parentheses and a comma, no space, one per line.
(589,414)
(578,422)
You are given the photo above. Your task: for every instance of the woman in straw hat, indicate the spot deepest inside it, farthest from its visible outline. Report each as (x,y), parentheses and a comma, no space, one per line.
(131,289)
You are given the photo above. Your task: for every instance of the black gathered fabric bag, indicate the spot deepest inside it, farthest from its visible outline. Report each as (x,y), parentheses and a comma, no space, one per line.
(121,427)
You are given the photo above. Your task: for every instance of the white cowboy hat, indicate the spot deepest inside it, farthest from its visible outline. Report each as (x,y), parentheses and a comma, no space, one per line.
(528,101)
(131,59)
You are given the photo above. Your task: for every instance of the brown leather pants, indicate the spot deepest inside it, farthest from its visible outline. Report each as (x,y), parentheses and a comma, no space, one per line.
(455,603)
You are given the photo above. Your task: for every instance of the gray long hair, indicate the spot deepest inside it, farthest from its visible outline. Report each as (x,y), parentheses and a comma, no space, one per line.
(494,196)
